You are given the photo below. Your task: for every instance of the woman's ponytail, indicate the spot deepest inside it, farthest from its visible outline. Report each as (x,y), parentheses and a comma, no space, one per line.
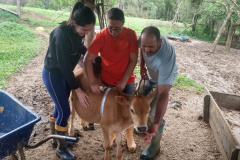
(81,14)
(77,6)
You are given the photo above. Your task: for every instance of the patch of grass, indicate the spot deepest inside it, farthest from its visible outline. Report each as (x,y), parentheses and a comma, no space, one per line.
(183,81)
(18,44)
(51,14)
(137,71)
(5,16)
(135,23)
(50,18)
(32,22)
(138,24)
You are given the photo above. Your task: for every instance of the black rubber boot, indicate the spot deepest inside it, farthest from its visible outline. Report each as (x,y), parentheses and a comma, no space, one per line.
(53,131)
(62,149)
(154,147)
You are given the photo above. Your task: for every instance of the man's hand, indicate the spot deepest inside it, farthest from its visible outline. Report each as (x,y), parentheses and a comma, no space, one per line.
(82,97)
(152,131)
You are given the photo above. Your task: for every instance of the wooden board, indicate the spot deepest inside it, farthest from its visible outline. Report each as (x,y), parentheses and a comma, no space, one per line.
(226,140)
(15,13)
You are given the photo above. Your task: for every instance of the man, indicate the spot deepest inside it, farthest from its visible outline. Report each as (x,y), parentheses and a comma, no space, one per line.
(161,71)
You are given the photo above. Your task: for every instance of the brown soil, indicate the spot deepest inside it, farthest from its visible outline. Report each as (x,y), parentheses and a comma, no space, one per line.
(185,135)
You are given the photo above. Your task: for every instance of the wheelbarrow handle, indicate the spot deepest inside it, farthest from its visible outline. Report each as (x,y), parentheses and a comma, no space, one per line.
(71,139)
(66,138)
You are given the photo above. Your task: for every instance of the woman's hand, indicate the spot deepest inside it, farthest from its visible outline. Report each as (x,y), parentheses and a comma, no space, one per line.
(121,85)
(82,97)
(95,86)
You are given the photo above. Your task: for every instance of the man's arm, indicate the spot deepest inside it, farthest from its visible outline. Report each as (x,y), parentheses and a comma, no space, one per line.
(131,65)
(161,107)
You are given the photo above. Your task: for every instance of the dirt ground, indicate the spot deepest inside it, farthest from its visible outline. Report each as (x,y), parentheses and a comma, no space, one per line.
(185,136)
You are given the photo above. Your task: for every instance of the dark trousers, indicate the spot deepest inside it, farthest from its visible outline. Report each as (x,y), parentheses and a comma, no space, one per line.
(59,91)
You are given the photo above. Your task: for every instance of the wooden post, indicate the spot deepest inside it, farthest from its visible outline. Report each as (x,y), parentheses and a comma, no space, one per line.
(19,8)
(206,108)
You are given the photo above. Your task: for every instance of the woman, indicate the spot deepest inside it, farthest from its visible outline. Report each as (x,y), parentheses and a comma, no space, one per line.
(65,48)
(118,48)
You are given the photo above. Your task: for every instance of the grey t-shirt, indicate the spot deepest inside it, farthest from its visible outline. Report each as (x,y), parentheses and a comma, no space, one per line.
(162,67)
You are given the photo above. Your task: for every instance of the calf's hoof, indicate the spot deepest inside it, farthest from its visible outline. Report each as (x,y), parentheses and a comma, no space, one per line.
(77,133)
(132,148)
(89,127)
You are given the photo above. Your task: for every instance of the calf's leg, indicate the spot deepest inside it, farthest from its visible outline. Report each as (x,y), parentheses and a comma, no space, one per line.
(130,140)
(83,124)
(119,145)
(71,133)
(113,137)
(107,143)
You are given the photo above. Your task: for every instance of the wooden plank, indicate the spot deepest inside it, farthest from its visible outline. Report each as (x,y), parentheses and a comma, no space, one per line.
(219,143)
(228,101)
(206,104)
(222,133)
(15,13)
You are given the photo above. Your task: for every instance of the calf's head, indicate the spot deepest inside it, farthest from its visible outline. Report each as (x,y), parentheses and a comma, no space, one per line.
(139,107)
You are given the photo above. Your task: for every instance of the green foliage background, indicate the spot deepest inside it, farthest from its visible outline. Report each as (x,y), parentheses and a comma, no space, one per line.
(18,44)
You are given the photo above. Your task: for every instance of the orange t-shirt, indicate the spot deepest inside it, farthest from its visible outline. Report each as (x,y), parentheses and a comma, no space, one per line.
(115,54)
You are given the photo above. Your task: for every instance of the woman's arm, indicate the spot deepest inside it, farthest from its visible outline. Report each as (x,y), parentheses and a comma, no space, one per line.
(131,65)
(94,83)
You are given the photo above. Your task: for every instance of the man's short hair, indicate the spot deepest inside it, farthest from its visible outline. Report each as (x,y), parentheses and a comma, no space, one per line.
(116,14)
(152,30)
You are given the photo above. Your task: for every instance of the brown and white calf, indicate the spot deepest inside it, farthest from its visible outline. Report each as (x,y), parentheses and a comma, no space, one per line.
(118,113)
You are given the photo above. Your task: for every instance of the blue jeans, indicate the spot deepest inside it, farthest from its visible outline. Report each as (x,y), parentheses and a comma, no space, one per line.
(59,91)
(128,88)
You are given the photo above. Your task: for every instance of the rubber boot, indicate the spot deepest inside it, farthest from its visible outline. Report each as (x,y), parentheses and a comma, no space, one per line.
(53,131)
(62,149)
(154,148)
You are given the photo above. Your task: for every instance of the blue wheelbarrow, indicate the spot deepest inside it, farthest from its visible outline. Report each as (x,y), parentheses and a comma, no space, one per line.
(16,125)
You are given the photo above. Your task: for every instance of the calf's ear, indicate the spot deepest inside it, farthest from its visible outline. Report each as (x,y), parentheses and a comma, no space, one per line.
(122,100)
(151,95)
